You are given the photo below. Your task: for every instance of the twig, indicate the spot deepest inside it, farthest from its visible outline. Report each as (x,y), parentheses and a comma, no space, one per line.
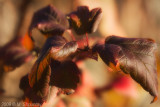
(87,40)
(22,9)
(71,34)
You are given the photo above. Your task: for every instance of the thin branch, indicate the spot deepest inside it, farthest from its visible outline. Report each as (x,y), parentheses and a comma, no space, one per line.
(87,40)
(71,34)
(22,9)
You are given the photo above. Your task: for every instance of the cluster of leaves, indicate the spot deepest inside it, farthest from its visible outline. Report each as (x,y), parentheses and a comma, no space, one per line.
(56,67)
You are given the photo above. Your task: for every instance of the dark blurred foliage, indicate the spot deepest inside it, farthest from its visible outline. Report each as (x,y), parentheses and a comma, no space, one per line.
(128,18)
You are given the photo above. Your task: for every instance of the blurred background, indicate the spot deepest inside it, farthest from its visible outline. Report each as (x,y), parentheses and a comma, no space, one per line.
(127,18)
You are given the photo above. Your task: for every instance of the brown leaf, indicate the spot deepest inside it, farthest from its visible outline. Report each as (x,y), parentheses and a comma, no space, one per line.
(55,48)
(14,54)
(49,21)
(39,92)
(44,58)
(67,50)
(84,54)
(84,20)
(134,56)
(65,75)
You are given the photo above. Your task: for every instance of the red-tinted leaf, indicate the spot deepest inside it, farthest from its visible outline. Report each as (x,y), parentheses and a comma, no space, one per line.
(134,56)
(55,48)
(44,58)
(27,42)
(49,21)
(121,83)
(95,17)
(67,50)
(29,94)
(83,54)
(39,92)
(65,75)
(85,21)
(13,54)
(37,70)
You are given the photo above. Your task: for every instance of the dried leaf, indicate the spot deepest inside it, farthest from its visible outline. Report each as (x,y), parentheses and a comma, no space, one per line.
(84,20)
(134,56)
(49,21)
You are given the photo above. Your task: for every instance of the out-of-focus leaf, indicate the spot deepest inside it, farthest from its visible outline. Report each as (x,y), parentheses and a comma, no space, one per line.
(121,83)
(84,20)
(1,91)
(39,92)
(134,56)
(27,42)
(55,48)
(65,75)
(29,94)
(13,54)
(49,21)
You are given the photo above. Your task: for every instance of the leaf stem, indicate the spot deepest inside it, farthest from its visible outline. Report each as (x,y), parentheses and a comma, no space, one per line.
(71,34)
(87,40)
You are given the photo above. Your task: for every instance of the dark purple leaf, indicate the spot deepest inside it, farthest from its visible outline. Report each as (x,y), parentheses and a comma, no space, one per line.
(95,17)
(13,55)
(49,21)
(39,92)
(65,75)
(83,54)
(134,56)
(28,91)
(85,21)
(67,50)
(55,48)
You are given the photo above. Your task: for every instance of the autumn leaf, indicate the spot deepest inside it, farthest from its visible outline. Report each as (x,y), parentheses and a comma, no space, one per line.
(68,49)
(14,54)
(56,48)
(84,54)
(94,20)
(134,56)
(65,75)
(39,92)
(29,95)
(50,21)
(84,20)
(27,42)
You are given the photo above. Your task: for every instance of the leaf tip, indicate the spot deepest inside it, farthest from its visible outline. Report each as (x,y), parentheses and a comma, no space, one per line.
(154,99)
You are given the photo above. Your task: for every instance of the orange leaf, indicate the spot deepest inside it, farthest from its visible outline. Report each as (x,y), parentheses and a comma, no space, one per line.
(27,42)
